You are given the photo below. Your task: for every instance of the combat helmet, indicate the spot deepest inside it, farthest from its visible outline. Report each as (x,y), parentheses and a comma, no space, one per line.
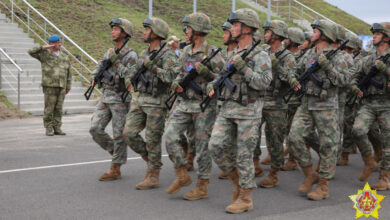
(158,26)
(125,24)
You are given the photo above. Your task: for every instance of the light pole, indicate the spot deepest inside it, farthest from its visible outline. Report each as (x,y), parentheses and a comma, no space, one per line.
(150,8)
(194,7)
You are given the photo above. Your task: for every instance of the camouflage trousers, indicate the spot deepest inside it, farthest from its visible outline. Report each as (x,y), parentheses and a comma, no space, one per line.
(178,123)
(374,134)
(153,121)
(275,132)
(189,140)
(326,123)
(54,100)
(104,113)
(363,122)
(257,152)
(232,144)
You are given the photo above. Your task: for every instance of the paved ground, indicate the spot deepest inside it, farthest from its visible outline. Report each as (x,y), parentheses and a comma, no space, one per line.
(56,178)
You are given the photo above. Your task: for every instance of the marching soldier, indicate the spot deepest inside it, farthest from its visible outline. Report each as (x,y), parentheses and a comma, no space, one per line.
(56,82)
(110,106)
(275,109)
(188,113)
(318,110)
(147,110)
(295,39)
(375,104)
(240,113)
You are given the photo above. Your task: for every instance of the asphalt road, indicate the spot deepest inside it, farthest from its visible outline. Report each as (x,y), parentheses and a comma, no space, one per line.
(57,178)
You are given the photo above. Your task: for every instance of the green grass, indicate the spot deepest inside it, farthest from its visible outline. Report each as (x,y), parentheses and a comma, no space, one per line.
(3,99)
(337,15)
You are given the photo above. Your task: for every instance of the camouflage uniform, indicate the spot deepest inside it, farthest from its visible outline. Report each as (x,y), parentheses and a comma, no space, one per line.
(319,110)
(56,80)
(147,109)
(188,113)
(375,107)
(110,106)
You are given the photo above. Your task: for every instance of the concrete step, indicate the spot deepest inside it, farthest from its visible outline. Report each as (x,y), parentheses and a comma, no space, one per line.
(20,56)
(18,44)
(8,91)
(27,72)
(27,60)
(10,49)
(10,28)
(23,78)
(15,39)
(13,34)
(31,84)
(26,66)
(66,110)
(40,97)
(10,25)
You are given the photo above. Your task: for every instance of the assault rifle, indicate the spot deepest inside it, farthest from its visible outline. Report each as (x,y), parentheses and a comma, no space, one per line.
(224,79)
(367,81)
(309,74)
(139,75)
(103,72)
(187,81)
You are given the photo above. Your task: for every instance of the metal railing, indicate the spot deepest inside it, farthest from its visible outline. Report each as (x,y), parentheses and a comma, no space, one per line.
(293,9)
(20,70)
(39,27)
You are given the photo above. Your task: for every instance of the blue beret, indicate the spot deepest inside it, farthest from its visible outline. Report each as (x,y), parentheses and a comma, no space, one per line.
(54,38)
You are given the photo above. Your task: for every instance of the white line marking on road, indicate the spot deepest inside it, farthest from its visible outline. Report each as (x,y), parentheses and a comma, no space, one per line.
(72,164)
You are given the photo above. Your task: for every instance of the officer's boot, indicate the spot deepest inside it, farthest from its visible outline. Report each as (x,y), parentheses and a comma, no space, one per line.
(243,203)
(267,160)
(383,182)
(182,179)
(199,192)
(236,187)
(113,174)
(344,159)
(321,191)
(58,131)
(222,176)
(311,177)
(151,180)
(190,162)
(291,164)
(370,165)
(49,131)
(271,180)
(258,170)
(378,153)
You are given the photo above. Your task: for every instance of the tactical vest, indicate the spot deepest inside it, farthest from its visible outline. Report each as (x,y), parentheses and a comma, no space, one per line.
(155,86)
(118,84)
(199,80)
(277,86)
(382,77)
(243,94)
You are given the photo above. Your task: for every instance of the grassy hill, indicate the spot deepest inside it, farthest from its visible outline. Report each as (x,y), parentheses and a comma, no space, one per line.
(337,15)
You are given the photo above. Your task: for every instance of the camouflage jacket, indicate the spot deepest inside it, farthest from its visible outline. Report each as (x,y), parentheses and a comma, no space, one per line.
(55,69)
(160,77)
(345,82)
(253,79)
(295,99)
(190,101)
(330,77)
(112,91)
(281,74)
(377,98)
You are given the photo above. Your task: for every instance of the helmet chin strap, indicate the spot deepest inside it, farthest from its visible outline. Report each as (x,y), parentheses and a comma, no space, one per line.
(150,38)
(230,40)
(273,38)
(242,34)
(382,41)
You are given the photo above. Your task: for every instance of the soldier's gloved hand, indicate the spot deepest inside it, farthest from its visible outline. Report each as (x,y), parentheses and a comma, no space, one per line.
(203,70)
(381,66)
(238,62)
(324,62)
(148,63)
(293,82)
(114,57)
(174,85)
(209,87)
(354,89)
(275,61)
